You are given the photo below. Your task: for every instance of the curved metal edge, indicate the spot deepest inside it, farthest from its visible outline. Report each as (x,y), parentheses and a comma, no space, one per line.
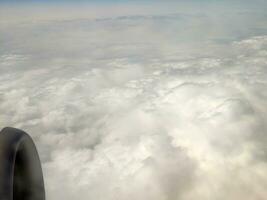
(20,168)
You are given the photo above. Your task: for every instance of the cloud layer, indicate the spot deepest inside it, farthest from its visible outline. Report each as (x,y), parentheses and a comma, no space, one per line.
(141,107)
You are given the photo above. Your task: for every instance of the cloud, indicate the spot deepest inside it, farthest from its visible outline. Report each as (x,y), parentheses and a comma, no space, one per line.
(121,108)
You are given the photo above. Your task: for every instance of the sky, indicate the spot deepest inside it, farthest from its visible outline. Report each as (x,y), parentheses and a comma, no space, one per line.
(139,99)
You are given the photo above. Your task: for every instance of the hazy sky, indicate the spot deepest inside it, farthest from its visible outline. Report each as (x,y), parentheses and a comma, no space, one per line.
(162,100)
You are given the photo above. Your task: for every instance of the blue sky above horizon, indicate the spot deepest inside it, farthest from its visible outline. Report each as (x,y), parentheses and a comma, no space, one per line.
(152,6)
(243,2)
(166,6)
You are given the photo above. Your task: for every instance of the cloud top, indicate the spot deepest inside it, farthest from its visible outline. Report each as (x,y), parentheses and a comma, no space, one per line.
(161,107)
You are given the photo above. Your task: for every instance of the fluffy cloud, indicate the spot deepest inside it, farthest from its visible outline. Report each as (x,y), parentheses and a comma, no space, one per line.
(121,108)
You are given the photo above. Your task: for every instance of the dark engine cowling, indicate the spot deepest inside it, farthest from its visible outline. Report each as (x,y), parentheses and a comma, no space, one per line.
(21,175)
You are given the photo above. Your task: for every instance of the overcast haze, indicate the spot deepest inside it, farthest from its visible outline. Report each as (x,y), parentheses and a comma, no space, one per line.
(142,100)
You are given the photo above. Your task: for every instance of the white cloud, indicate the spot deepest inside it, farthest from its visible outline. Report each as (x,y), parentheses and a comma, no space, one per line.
(122,109)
